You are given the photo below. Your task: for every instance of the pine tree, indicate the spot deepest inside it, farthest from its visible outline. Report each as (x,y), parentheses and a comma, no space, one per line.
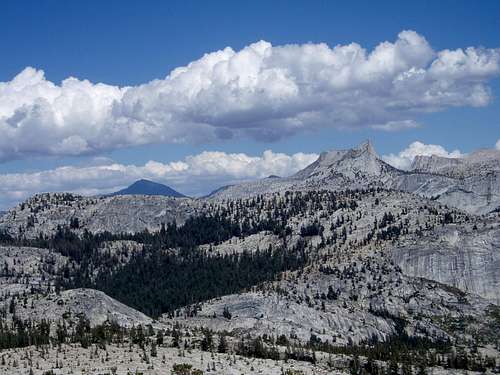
(153,352)
(159,338)
(226,314)
(207,342)
(354,367)
(222,347)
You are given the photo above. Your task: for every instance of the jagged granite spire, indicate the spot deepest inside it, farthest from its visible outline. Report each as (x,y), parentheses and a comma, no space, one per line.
(366,146)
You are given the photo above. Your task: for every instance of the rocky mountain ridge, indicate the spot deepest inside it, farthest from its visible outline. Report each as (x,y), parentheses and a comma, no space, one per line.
(44,213)
(471,183)
(479,162)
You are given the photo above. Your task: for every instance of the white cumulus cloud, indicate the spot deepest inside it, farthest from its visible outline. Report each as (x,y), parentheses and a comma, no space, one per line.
(194,175)
(497,145)
(262,91)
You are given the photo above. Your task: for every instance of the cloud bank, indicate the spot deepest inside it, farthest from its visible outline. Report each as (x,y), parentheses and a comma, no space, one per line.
(262,92)
(194,175)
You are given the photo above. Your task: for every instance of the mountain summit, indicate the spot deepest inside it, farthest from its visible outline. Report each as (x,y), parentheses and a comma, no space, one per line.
(360,160)
(146,187)
(354,168)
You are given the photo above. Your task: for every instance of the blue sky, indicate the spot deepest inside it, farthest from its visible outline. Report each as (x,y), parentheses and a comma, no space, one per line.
(128,43)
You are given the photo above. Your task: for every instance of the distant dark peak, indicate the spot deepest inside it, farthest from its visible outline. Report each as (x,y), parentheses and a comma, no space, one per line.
(146,187)
(273,176)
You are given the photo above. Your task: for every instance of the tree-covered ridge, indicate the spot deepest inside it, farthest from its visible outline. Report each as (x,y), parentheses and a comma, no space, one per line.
(159,282)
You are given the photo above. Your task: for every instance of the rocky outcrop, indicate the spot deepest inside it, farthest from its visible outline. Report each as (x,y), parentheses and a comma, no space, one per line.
(480,162)
(478,194)
(94,305)
(44,213)
(359,161)
(433,164)
(471,183)
(272,314)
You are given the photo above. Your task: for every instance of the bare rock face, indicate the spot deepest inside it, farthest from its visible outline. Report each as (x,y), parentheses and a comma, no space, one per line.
(43,213)
(465,258)
(272,314)
(478,163)
(131,214)
(434,164)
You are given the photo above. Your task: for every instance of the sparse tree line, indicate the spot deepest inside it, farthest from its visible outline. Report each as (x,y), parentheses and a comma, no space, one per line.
(400,354)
